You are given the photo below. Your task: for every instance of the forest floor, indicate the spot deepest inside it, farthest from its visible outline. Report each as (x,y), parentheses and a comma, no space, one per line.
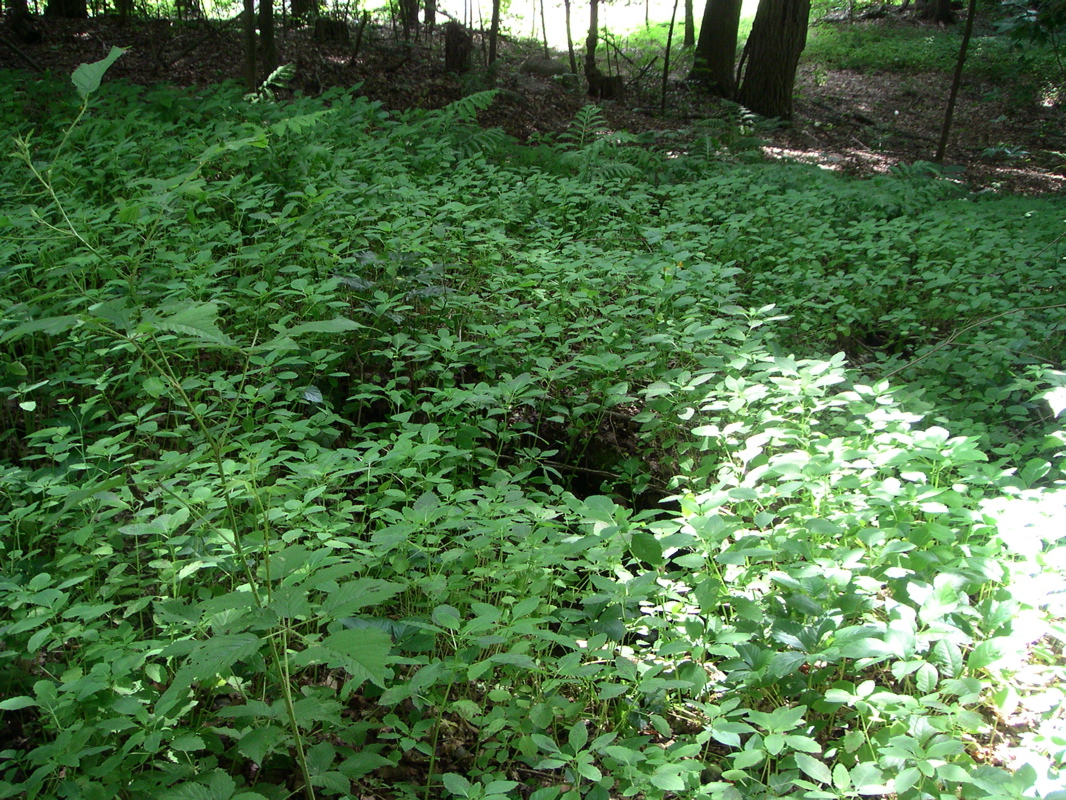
(861,123)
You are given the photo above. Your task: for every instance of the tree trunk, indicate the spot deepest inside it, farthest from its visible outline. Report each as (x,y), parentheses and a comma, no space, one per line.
(66,9)
(544,30)
(937,11)
(771,55)
(715,59)
(250,81)
(408,11)
(570,40)
(955,81)
(303,9)
(690,26)
(458,47)
(431,14)
(494,31)
(592,72)
(268,48)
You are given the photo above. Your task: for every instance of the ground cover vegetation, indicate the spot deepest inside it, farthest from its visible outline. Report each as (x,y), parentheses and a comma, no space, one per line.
(356,453)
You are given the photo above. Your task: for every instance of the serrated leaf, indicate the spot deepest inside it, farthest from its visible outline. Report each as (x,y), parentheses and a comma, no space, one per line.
(187,744)
(259,743)
(578,736)
(335,325)
(668,781)
(645,547)
(589,771)
(926,678)
(841,778)
(188,791)
(814,768)
(48,325)
(499,787)
(361,652)
(206,661)
(987,653)
(544,743)
(15,703)
(199,321)
(456,784)
(87,77)
(354,595)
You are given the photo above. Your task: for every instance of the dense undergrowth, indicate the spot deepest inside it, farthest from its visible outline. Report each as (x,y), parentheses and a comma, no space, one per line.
(351,453)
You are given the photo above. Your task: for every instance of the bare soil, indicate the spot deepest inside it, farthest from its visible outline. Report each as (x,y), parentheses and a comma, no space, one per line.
(859,123)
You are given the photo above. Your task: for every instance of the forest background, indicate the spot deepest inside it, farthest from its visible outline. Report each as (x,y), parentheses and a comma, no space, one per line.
(356,445)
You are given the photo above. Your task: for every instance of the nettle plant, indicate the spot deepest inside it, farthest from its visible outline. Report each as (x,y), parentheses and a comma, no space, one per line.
(355,457)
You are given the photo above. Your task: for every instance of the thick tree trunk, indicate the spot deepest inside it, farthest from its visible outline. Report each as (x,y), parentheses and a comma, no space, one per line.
(937,11)
(458,47)
(409,17)
(494,31)
(66,9)
(268,48)
(303,9)
(690,26)
(714,62)
(771,55)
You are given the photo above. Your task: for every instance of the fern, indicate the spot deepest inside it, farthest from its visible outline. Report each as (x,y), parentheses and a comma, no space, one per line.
(275,80)
(587,123)
(466,109)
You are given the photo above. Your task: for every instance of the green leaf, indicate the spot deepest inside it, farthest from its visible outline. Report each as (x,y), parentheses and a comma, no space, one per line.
(49,325)
(499,787)
(668,781)
(199,321)
(86,78)
(747,758)
(362,652)
(210,658)
(578,736)
(15,703)
(447,617)
(926,678)
(187,744)
(544,743)
(645,547)
(988,653)
(456,784)
(814,768)
(354,595)
(589,771)
(335,325)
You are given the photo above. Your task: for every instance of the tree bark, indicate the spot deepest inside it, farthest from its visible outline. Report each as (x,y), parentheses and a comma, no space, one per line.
(268,48)
(494,31)
(771,55)
(690,26)
(592,72)
(570,40)
(937,11)
(66,9)
(715,59)
(955,81)
(250,76)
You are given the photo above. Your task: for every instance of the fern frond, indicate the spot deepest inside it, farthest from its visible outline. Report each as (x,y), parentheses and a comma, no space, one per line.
(465,109)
